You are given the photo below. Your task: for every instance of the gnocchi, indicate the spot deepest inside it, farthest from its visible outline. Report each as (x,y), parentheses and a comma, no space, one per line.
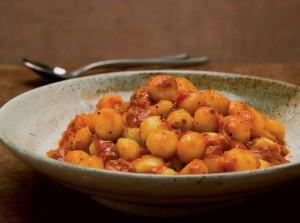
(180,119)
(128,149)
(191,146)
(169,127)
(162,143)
(205,120)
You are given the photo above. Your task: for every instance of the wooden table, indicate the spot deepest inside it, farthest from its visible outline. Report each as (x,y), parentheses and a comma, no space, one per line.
(27,196)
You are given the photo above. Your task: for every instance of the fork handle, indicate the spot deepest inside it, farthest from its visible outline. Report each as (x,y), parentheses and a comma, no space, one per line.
(176,60)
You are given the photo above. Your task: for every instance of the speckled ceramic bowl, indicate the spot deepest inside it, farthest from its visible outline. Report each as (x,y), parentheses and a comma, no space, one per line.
(31,124)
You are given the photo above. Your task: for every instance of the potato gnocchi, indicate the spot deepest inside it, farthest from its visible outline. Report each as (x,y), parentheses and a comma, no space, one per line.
(170,127)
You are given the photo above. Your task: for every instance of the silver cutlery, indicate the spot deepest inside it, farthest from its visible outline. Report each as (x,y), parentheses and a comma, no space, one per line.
(59,73)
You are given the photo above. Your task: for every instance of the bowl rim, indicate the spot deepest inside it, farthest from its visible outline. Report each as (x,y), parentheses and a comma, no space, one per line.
(211,176)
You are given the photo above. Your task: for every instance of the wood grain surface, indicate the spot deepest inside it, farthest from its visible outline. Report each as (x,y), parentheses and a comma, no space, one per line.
(80,32)
(27,196)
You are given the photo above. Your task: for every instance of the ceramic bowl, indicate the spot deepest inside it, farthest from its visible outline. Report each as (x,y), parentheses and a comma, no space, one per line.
(32,123)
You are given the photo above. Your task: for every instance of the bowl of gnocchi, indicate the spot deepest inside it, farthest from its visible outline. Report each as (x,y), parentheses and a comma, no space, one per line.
(159,143)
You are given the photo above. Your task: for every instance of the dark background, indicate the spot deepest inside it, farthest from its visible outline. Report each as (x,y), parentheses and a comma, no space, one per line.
(75,32)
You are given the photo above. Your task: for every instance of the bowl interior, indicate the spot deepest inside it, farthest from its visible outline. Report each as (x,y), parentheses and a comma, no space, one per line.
(35,120)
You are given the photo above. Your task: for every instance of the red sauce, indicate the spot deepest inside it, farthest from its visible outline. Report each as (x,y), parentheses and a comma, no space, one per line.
(106,149)
(119,165)
(135,116)
(181,96)
(140,98)
(271,153)
(212,151)
(58,154)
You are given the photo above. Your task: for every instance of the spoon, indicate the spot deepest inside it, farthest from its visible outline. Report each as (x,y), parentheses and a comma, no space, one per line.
(59,73)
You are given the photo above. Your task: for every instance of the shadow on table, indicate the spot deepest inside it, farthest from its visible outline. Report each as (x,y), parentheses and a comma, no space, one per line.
(54,203)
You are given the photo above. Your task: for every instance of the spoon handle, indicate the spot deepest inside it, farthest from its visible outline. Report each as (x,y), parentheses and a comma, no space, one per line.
(176,60)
